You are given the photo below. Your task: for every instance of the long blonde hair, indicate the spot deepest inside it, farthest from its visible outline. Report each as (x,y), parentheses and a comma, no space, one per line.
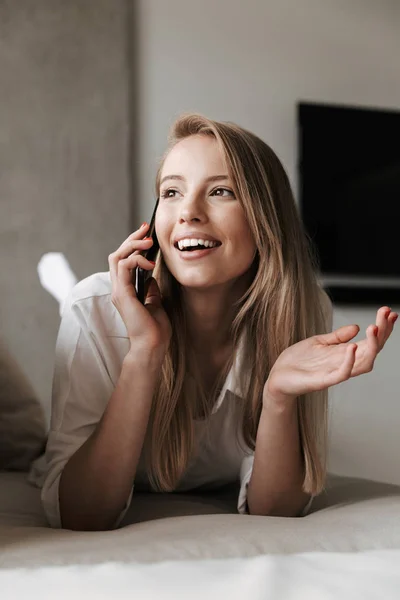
(283,305)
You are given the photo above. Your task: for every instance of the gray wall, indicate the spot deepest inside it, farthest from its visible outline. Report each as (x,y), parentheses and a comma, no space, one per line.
(250,62)
(64,152)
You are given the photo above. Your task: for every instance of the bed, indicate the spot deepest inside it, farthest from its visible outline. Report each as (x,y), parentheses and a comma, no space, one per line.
(188,545)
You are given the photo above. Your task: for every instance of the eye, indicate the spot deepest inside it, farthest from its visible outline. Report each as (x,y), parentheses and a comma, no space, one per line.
(169,193)
(224,192)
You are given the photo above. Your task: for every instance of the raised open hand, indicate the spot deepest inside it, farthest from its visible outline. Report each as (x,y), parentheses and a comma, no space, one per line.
(321,361)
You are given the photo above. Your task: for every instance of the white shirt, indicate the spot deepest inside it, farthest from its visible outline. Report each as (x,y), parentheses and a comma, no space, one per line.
(91,346)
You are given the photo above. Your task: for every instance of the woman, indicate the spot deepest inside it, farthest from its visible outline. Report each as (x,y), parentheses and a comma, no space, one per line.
(223,374)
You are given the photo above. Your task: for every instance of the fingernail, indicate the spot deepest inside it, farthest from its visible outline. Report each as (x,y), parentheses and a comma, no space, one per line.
(387,313)
(152,262)
(147,238)
(143,225)
(395,319)
(376,331)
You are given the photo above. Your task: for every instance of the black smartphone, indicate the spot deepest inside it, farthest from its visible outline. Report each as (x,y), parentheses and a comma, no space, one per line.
(142,275)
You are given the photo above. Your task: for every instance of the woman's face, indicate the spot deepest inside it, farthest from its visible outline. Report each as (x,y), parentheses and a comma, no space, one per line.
(197,206)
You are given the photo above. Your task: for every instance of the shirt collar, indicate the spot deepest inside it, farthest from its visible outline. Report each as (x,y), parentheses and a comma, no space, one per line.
(231,383)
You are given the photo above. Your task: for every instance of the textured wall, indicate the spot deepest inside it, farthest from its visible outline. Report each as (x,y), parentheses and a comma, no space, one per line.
(64,154)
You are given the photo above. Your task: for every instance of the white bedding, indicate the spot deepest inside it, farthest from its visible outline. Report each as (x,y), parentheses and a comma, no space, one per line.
(193,546)
(313,576)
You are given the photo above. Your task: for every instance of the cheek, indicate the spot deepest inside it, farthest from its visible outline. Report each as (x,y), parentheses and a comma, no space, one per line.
(247,252)
(248,237)
(243,239)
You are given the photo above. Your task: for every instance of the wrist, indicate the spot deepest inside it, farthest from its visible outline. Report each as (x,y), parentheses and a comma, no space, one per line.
(143,359)
(275,399)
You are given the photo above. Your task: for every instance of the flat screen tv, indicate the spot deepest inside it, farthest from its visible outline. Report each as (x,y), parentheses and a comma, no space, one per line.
(349,195)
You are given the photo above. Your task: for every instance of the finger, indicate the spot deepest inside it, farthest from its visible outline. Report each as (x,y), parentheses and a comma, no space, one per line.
(389,327)
(365,359)
(381,313)
(348,363)
(136,235)
(127,265)
(112,264)
(139,233)
(130,246)
(339,336)
(344,372)
(383,325)
(153,296)
(373,347)
(392,320)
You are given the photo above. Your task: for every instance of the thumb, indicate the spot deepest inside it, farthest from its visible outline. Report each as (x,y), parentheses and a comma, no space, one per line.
(153,295)
(340,336)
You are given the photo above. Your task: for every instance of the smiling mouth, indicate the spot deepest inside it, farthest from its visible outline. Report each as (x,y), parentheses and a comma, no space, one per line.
(183,246)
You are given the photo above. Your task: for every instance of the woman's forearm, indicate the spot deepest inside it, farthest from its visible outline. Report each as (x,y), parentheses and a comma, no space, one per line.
(96,482)
(275,487)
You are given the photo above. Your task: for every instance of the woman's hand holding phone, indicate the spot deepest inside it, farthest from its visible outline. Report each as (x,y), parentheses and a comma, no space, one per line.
(148,326)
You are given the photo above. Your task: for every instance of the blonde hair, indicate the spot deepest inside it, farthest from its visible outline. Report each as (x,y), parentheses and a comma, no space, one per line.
(283,305)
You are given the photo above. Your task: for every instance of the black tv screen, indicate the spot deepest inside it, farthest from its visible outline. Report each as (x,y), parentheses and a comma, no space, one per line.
(349,185)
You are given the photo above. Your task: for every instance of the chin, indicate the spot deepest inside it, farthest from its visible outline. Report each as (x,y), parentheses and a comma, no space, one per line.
(196,280)
(196,284)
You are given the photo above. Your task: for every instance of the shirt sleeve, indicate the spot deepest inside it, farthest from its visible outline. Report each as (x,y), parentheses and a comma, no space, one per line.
(82,387)
(246,470)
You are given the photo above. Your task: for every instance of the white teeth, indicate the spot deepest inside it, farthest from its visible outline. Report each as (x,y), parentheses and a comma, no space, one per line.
(193,242)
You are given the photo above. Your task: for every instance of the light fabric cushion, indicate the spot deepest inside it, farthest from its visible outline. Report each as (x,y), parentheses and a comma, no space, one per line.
(316,575)
(353,515)
(22,420)
(20,503)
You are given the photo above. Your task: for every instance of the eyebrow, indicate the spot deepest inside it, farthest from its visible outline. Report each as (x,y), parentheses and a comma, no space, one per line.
(181,178)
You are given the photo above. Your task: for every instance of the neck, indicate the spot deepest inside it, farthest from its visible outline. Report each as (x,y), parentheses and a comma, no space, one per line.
(210,314)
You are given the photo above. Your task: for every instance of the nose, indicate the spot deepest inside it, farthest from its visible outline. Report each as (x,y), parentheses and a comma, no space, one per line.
(192,209)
